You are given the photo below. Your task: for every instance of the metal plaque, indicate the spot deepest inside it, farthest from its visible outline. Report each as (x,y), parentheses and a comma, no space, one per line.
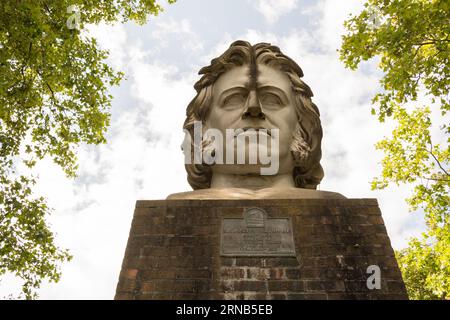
(257,235)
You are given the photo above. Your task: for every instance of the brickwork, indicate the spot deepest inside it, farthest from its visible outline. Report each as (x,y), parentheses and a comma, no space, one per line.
(173,252)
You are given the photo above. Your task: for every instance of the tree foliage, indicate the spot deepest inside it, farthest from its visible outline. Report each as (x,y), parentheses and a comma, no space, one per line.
(412,40)
(54,85)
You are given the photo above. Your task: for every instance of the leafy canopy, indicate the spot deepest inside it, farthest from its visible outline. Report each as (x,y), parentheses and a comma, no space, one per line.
(53,96)
(412,40)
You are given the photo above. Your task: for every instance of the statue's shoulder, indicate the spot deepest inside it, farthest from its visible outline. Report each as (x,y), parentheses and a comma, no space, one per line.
(267,193)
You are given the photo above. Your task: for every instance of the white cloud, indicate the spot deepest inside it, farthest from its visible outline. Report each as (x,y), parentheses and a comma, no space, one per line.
(188,39)
(112,38)
(272,10)
(333,13)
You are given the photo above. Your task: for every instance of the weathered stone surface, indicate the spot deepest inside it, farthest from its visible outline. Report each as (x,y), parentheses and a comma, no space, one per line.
(174,252)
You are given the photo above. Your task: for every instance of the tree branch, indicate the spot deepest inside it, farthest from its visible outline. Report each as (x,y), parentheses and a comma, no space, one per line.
(435,159)
(435,179)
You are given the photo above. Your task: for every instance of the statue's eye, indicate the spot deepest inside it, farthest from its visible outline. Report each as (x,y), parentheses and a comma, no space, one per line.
(234,100)
(271,100)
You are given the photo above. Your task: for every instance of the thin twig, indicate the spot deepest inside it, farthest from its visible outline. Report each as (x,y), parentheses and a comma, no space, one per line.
(437,161)
(435,179)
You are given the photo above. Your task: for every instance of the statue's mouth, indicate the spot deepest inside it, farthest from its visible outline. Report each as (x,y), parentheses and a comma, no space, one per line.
(252,130)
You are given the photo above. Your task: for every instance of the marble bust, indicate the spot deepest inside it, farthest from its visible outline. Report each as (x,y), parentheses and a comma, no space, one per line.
(256,91)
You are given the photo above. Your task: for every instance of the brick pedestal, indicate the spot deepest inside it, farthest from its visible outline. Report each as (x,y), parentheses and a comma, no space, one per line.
(173,252)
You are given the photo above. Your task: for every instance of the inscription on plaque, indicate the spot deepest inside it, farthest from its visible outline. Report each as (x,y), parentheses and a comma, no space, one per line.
(257,235)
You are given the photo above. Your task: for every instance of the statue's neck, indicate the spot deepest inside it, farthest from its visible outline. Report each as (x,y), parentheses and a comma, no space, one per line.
(221,180)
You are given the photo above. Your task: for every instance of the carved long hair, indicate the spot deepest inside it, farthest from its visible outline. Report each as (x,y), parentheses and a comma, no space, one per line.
(307,137)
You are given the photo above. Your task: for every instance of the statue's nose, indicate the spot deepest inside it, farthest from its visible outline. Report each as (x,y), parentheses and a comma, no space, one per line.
(253,109)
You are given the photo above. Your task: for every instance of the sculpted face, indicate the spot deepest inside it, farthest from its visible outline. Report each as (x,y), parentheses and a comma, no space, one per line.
(252,88)
(243,99)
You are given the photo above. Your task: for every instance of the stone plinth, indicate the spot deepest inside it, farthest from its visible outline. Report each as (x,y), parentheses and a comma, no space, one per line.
(177,249)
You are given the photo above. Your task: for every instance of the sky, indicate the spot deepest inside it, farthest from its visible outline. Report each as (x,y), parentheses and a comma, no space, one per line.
(142,159)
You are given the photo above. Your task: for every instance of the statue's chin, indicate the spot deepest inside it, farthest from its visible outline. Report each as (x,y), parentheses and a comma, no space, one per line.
(238,169)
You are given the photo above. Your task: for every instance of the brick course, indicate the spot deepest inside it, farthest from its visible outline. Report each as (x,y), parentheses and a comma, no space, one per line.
(173,252)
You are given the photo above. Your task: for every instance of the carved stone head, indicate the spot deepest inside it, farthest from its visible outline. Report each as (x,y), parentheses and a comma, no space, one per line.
(258,86)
